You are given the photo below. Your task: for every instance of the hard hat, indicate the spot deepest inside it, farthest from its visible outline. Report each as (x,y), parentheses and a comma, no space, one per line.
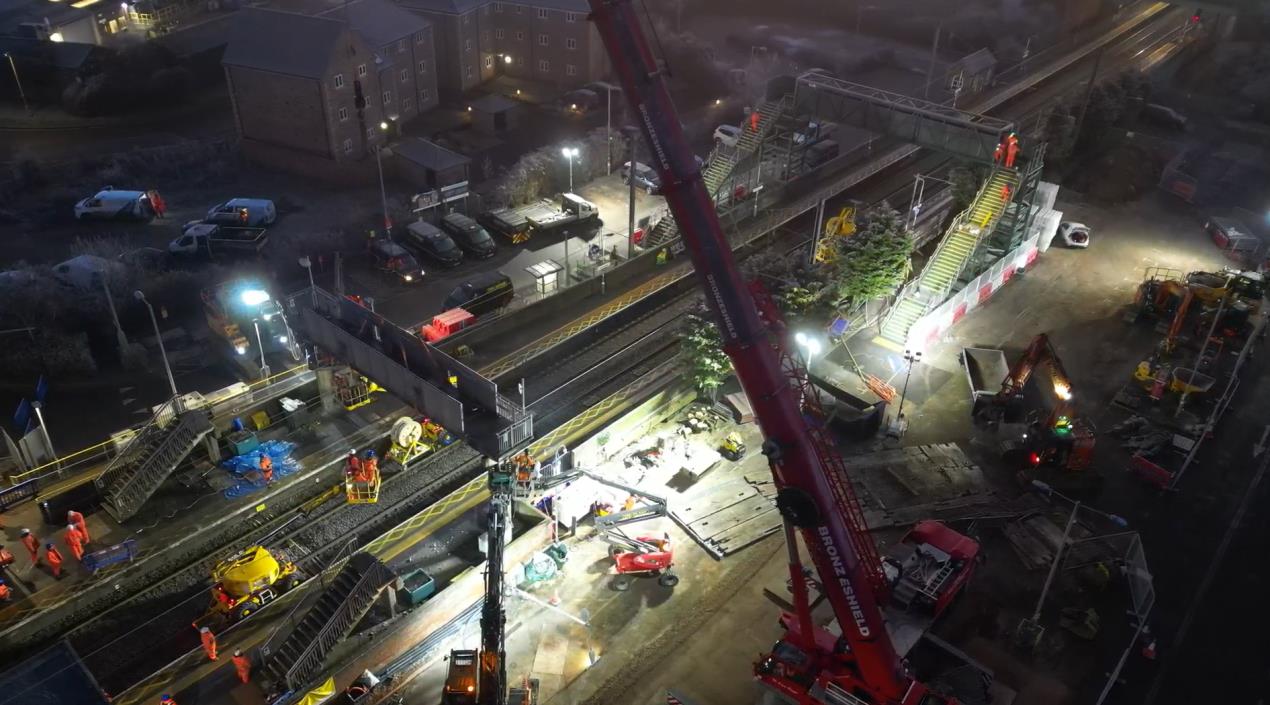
(24,532)
(71,526)
(166,698)
(203,629)
(238,652)
(48,545)
(370,454)
(1,581)
(352,451)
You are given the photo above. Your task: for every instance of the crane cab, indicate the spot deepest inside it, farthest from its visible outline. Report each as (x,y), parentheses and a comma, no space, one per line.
(460,678)
(930,566)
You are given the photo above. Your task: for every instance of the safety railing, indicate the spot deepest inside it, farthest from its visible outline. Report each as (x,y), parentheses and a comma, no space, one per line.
(124,495)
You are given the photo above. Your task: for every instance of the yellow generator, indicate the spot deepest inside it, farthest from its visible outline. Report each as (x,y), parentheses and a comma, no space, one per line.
(407,442)
(245,583)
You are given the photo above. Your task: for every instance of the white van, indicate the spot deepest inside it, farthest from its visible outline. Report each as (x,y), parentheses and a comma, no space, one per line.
(243,212)
(116,204)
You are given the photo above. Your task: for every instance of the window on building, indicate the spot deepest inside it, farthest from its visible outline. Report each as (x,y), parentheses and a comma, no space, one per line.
(571,43)
(339,80)
(370,134)
(348,146)
(520,35)
(520,10)
(387,97)
(542,13)
(544,65)
(498,34)
(570,70)
(470,72)
(423,67)
(498,7)
(542,40)
(401,46)
(419,37)
(425,95)
(361,70)
(343,114)
(407,103)
(570,17)
(467,45)
(489,62)
(467,19)
(405,75)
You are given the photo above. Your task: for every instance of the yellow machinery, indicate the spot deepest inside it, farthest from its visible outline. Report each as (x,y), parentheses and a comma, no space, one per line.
(733,447)
(407,442)
(352,389)
(839,226)
(1230,286)
(247,582)
(435,433)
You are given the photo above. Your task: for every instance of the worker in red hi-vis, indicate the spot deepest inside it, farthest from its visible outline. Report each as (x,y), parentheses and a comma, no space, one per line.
(74,517)
(74,541)
(242,665)
(1011,150)
(166,699)
(996,153)
(1005,193)
(209,642)
(266,468)
(32,543)
(754,118)
(353,466)
(5,593)
(54,557)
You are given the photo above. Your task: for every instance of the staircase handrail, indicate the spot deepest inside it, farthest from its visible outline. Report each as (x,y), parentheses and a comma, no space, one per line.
(127,453)
(289,623)
(368,585)
(184,421)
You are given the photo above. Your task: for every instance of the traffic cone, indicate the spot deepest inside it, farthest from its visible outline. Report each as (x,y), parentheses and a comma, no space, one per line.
(1148,651)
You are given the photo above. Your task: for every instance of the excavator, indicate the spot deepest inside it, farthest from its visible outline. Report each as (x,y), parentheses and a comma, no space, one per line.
(1064,439)
(809,665)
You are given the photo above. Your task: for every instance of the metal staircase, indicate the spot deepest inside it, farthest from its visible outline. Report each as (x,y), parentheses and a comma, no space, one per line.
(724,163)
(331,618)
(946,265)
(136,473)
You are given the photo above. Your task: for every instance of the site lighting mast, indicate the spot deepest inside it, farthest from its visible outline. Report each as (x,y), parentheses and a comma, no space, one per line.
(569,154)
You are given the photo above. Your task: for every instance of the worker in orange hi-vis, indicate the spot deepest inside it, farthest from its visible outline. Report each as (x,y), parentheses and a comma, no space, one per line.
(1005,193)
(74,517)
(242,665)
(996,153)
(370,467)
(1011,150)
(74,541)
(166,699)
(754,118)
(266,468)
(5,593)
(209,642)
(353,466)
(54,557)
(32,543)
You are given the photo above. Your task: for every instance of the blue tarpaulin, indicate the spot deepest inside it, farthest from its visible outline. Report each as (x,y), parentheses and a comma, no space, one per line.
(246,467)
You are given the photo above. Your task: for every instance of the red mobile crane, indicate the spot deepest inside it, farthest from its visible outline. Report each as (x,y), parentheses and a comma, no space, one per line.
(809,665)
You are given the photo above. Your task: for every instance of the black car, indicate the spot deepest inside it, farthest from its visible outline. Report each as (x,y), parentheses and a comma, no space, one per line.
(393,259)
(469,235)
(427,241)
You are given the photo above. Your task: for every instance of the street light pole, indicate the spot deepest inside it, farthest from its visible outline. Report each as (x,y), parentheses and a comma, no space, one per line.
(912,358)
(569,153)
(308,264)
(44,430)
(163,351)
(383,193)
(18,80)
(264,366)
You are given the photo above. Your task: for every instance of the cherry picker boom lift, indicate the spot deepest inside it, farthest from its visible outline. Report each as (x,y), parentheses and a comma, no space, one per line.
(809,665)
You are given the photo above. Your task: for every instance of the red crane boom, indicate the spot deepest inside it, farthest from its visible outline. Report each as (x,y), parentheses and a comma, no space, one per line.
(814,494)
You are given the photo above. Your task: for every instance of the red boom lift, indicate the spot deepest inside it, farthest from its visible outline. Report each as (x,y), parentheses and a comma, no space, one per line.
(809,665)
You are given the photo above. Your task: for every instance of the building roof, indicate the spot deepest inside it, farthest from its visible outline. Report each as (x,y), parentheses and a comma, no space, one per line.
(428,155)
(567,5)
(493,103)
(16,12)
(378,21)
(975,62)
(283,42)
(205,36)
(62,55)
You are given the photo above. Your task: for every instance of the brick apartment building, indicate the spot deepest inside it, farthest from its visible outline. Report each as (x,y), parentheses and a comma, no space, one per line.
(543,40)
(310,92)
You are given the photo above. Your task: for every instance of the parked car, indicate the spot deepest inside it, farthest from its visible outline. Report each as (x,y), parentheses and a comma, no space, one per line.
(469,235)
(86,272)
(243,212)
(1164,116)
(814,132)
(115,204)
(1074,234)
(581,102)
(426,240)
(482,294)
(645,177)
(393,259)
(727,135)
